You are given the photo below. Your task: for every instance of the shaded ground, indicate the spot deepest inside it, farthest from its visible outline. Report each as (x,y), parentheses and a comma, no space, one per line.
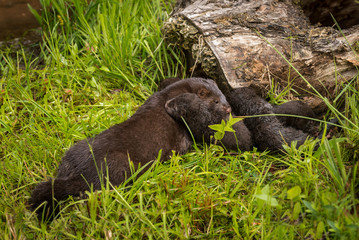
(15,18)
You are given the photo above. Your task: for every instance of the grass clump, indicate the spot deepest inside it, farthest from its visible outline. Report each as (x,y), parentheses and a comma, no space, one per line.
(98,62)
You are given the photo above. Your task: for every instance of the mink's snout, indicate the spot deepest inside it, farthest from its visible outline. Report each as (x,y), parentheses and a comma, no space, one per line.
(228,109)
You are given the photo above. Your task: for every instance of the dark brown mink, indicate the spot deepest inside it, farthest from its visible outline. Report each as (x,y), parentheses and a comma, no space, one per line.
(287,124)
(140,138)
(297,108)
(166,82)
(199,113)
(267,131)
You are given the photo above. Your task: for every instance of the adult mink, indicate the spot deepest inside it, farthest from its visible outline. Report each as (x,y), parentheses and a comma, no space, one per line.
(139,139)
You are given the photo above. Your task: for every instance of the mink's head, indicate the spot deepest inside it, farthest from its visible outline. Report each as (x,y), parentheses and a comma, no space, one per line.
(205,89)
(198,111)
(208,91)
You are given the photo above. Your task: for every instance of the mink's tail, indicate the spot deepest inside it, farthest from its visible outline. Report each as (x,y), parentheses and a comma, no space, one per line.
(45,196)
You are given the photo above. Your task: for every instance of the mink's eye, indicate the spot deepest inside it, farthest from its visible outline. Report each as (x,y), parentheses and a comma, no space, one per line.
(216,101)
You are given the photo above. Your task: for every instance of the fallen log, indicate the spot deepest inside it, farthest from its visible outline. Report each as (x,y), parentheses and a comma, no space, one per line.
(242,43)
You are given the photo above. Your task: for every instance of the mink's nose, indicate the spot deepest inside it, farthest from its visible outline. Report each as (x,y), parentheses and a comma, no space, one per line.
(228,109)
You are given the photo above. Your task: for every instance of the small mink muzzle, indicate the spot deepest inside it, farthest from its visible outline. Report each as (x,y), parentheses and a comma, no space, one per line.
(228,109)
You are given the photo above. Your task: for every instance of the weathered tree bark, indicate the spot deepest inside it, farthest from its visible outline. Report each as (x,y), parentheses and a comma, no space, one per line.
(229,40)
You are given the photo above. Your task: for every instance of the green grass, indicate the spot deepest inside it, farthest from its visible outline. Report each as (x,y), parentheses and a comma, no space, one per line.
(98,63)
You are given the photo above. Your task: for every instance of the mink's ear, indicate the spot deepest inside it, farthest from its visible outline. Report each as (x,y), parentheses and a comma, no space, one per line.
(171,106)
(202,92)
(179,106)
(174,107)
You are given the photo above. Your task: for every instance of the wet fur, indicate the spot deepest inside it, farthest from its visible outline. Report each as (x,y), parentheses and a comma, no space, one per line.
(139,139)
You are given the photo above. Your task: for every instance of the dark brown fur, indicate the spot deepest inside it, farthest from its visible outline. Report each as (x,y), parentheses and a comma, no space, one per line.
(267,131)
(199,114)
(166,82)
(296,108)
(138,139)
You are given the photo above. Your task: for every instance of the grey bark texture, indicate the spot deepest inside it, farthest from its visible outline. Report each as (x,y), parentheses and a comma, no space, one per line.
(228,40)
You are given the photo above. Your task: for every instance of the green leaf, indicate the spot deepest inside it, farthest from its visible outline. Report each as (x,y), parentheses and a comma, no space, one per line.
(320,230)
(268,199)
(228,129)
(218,135)
(216,127)
(105,69)
(265,190)
(90,69)
(265,196)
(293,192)
(63,60)
(296,211)
(224,127)
(233,121)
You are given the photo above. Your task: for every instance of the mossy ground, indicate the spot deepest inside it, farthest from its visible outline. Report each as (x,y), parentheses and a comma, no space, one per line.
(96,65)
